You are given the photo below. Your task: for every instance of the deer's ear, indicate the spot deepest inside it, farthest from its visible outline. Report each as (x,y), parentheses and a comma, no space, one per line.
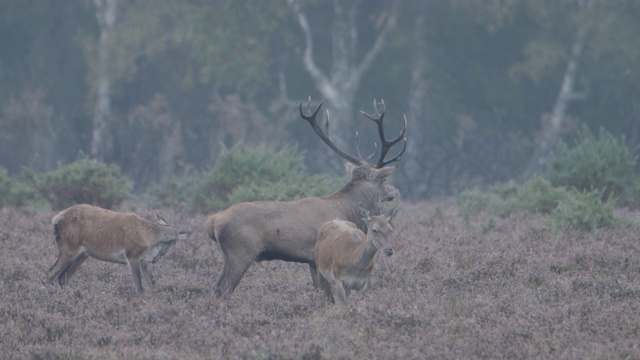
(382,173)
(348,167)
(364,213)
(160,220)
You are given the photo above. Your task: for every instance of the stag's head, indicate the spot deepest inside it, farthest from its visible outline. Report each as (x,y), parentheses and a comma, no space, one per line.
(371,174)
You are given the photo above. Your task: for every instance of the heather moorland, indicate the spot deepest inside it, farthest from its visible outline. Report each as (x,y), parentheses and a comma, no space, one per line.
(456,287)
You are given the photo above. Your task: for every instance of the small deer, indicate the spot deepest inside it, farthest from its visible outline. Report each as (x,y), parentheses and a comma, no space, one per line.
(344,254)
(126,238)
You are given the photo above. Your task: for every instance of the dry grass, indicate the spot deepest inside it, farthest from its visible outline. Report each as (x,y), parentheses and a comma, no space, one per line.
(508,290)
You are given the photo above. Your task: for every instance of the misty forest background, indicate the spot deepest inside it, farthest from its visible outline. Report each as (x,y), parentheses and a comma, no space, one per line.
(160,88)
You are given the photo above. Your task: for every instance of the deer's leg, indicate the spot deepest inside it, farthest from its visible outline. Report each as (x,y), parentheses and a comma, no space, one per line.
(63,261)
(314,274)
(359,294)
(234,268)
(145,268)
(68,272)
(324,284)
(342,292)
(134,265)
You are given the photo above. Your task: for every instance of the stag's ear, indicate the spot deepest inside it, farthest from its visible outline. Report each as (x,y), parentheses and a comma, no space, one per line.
(382,173)
(348,167)
(160,220)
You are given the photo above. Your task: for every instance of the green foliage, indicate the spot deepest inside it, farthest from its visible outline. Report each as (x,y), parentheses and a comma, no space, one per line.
(15,192)
(602,163)
(5,188)
(584,211)
(536,195)
(84,181)
(246,173)
(472,202)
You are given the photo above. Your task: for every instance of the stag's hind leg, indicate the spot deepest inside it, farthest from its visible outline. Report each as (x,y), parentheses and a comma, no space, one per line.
(234,268)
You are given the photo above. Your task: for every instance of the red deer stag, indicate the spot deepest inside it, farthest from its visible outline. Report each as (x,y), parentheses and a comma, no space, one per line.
(126,238)
(270,230)
(344,254)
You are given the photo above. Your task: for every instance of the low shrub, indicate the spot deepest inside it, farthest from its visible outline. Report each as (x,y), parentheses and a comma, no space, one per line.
(584,210)
(84,181)
(5,188)
(537,195)
(472,202)
(247,173)
(15,192)
(604,163)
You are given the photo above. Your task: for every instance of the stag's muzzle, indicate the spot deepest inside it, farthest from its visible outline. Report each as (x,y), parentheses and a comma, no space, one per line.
(388,251)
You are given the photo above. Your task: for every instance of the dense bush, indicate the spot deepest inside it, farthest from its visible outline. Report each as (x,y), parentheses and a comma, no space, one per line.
(536,195)
(246,173)
(5,187)
(584,210)
(602,163)
(84,181)
(15,192)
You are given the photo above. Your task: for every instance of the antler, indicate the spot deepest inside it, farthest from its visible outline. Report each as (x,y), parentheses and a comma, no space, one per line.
(324,136)
(378,118)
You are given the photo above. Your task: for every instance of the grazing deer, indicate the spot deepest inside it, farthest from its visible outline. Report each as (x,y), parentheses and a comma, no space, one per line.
(344,254)
(126,238)
(270,230)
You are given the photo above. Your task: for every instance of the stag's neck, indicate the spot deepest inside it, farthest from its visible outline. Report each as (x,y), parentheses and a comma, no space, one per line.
(349,199)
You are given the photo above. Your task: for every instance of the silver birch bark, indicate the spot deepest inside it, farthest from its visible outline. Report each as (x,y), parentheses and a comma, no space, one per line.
(551,131)
(106,15)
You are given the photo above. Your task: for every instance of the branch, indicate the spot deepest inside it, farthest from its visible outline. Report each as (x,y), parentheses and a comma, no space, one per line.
(323,83)
(378,45)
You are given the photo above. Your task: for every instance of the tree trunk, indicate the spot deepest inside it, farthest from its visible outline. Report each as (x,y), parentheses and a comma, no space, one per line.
(106,14)
(552,129)
(413,161)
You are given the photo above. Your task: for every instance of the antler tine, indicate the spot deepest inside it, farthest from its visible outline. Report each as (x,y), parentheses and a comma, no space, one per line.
(324,136)
(402,136)
(358,149)
(386,144)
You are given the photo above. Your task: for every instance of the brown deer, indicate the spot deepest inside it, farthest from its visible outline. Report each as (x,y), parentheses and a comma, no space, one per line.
(344,254)
(126,238)
(270,230)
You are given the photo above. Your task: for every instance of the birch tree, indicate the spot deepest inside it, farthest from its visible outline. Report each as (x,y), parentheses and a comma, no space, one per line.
(106,15)
(568,93)
(339,84)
